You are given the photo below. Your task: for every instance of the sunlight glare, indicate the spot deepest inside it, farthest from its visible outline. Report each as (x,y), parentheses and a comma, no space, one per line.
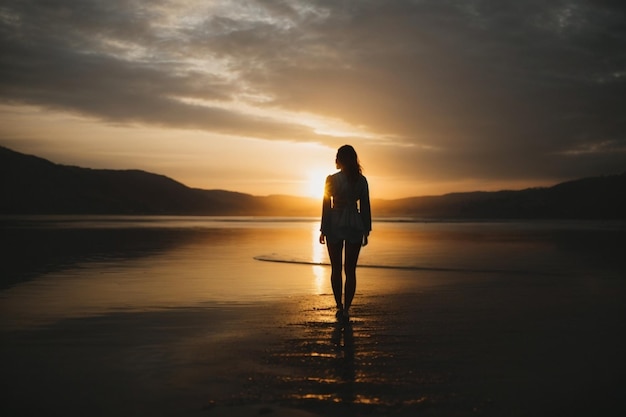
(318,252)
(314,184)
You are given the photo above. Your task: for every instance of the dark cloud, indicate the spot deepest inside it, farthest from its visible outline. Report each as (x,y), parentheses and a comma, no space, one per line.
(483,88)
(72,58)
(506,88)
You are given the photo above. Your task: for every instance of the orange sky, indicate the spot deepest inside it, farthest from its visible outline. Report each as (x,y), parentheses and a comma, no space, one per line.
(256,96)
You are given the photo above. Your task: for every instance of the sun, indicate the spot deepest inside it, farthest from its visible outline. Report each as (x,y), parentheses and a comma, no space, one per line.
(314,183)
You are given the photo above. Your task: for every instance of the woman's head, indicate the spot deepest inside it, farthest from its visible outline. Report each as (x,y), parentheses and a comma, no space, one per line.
(348,161)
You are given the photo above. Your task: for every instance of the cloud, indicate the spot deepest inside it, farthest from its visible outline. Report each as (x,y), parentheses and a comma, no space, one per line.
(482,88)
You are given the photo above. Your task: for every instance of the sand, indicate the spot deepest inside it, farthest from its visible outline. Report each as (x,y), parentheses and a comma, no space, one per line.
(493,345)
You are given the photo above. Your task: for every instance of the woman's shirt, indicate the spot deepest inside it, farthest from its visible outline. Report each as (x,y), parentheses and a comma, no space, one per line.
(341,194)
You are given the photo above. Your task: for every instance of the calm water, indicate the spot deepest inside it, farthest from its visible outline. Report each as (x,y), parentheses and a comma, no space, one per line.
(59,267)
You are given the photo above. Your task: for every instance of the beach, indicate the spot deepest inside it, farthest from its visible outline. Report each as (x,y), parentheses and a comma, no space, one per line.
(518,336)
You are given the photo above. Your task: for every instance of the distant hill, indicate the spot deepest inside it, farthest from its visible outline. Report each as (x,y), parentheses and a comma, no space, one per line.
(32,185)
(588,198)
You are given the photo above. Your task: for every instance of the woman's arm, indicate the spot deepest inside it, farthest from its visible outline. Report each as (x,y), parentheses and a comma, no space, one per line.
(365,208)
(325,222)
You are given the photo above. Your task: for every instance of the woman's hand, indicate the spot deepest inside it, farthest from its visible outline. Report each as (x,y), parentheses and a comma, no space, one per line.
(322,238)
(365,241)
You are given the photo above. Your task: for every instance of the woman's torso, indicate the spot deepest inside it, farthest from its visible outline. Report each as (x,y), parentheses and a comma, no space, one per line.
(344,192)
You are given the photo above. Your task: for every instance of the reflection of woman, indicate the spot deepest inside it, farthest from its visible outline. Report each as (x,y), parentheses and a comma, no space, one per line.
(346,219)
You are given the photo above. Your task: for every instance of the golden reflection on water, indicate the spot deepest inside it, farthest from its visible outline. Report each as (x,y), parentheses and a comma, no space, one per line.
(341,363)
(318,255)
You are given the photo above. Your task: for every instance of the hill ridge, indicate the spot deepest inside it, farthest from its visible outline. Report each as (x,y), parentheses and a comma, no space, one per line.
(33,185)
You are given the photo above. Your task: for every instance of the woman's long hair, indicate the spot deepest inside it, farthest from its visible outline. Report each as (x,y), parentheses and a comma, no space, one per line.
(349,162)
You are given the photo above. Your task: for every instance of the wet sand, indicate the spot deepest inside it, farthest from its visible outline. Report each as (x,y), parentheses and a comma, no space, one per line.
(493,345)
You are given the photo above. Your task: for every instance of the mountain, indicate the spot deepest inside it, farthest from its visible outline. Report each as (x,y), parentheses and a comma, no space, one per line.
(31,185)
(588,198)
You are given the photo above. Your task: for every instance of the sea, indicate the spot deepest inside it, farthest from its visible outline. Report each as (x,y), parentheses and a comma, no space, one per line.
(58,267)
(178,315)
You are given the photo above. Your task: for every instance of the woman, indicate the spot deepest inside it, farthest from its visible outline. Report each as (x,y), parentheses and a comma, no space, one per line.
(346,221)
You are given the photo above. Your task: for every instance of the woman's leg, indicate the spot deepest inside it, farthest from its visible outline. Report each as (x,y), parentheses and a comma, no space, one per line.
(335,254)
(352,256)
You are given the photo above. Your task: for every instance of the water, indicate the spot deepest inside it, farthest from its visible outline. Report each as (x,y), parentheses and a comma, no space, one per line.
(57,267)
(169,316)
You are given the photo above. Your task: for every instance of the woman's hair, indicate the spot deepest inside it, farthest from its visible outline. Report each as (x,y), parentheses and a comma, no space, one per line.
(349,162)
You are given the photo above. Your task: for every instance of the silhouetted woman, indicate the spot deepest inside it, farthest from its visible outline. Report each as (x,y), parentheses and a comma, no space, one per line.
(346,222)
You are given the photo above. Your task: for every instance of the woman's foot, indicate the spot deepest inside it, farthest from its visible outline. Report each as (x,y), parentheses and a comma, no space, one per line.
(345,316)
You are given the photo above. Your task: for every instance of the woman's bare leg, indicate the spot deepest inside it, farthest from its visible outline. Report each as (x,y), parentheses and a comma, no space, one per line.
(352,256)
(335,254)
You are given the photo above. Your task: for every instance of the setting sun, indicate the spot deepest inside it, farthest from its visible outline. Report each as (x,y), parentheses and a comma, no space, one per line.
(314,184)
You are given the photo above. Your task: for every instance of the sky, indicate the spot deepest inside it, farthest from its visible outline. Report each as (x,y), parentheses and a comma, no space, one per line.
(256,96)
